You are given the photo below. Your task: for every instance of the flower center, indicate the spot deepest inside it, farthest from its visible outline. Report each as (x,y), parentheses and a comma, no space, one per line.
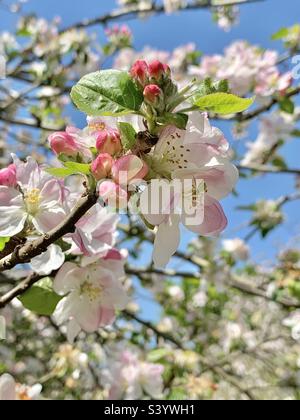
(22,393)
(171,159)
(97,126)
(91,291)
(32,200)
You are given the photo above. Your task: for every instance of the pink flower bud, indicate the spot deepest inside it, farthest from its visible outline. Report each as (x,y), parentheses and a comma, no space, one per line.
(129,168)
(109,141)
(167,70)
(156,70)
(63,142)
(8,176)
(101,166)
(113,195)
(139,72)
(152,93)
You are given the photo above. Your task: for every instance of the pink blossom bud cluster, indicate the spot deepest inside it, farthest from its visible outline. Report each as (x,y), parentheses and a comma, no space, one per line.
(119,36)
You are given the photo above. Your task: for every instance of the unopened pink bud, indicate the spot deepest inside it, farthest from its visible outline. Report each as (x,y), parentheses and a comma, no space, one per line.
(8,176)
(152,93)
(128,169)
(62,142)
(156,70)
(167,70)
(101,166)
(139,72)
(109,141)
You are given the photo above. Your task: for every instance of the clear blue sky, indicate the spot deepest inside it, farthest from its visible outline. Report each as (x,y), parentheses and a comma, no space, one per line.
(258,22)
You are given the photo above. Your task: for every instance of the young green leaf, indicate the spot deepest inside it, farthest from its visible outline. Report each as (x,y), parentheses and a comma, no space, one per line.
(41,298)
(287,105)
(3,242)
(128,135)
(282,33)
(222,103)
(178,119)
(107,92)
(59,172)
(78,168)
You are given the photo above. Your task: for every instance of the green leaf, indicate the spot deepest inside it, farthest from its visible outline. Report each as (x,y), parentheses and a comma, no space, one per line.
(3,242)
(41,298)
(128,135)
(222,103)
(158,354)
(107,92)
(295,133)
(279,162)
(282,33)
(209,86)
(287,105)
(177,394)
(59,172)
(178,119)
(81,168)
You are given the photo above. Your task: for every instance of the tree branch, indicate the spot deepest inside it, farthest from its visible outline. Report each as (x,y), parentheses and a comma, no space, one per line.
(154,9)
(31,249)
(269,169)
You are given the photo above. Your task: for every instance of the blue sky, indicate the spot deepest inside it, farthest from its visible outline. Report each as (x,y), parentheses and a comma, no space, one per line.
(258,22)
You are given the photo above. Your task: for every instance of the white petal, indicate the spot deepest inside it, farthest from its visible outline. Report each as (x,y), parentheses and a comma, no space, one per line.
(7,388)
(65,308)
(73,330)
(166,241)
(49,261)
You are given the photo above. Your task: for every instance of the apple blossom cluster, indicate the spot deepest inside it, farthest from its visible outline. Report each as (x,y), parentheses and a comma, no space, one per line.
(118,37)
(11,391)
(168,167)
(33,202)
(274,128)
(247,69)
(226,17)
(129,377)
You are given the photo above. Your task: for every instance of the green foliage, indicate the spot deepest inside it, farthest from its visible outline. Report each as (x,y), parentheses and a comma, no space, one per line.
(128,135)
(41,298)
(178,119)
(107,92)
(222,103)
(3,242)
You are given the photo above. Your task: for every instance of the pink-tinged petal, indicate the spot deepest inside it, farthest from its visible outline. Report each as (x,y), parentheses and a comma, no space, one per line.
(51,194)
(158,201)
(113,254)
(113,195)
(107,316)
(167,241)
(7,388)
(115,297)
(129,168)
(47,220)
(8,176)
(220,177)
(88,314)
(67,279)
(215,220)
